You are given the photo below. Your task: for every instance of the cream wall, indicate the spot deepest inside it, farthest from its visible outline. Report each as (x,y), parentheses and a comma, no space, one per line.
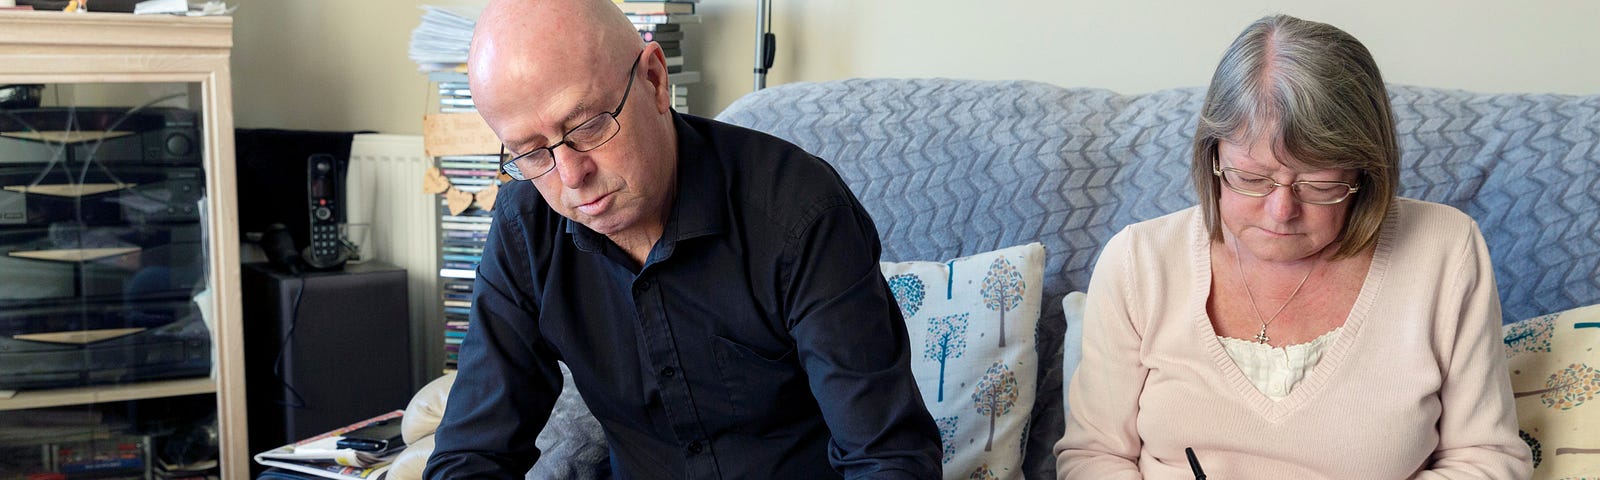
(328,65)
(308,64)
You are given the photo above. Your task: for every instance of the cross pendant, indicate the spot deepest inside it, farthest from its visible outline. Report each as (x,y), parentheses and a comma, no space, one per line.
(1262,335)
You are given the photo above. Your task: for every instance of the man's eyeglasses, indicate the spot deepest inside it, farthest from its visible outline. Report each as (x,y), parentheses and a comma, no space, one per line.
(1306,191)
(589,135)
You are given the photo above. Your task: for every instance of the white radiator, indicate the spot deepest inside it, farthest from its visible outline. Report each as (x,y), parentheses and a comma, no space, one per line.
(384,192)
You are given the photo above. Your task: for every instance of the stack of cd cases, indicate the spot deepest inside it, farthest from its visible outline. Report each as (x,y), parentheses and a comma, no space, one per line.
(462,234)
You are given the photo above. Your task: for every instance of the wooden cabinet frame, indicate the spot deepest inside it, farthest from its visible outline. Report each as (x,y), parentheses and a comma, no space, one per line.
(57,47)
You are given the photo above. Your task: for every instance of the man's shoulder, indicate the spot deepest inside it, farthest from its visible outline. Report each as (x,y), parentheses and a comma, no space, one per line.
(748,150)
(771,173)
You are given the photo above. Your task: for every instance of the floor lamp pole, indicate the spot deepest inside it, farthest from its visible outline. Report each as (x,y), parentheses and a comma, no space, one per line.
(766,43)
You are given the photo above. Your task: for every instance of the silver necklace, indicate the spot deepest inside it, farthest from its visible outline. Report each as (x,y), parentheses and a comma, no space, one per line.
(1262,335)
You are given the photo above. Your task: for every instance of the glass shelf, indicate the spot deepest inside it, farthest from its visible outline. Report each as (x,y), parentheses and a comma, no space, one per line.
(105,393)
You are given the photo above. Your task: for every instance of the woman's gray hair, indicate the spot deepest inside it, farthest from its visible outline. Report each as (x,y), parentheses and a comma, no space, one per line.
(1316,93)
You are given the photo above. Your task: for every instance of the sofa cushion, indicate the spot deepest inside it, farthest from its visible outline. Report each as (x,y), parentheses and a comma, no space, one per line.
(1071,342)
(972,328)
(1552,360)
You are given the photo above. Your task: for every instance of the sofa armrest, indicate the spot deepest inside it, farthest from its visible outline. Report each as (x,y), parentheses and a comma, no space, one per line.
(572,444)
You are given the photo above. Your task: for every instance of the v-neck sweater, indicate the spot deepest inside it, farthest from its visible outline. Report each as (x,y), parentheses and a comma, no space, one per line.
(1414,387)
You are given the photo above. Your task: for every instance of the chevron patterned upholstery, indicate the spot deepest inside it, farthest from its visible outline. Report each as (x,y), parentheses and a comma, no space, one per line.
(949,168)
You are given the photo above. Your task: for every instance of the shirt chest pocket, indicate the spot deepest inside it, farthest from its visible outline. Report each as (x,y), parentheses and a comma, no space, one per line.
(763,389)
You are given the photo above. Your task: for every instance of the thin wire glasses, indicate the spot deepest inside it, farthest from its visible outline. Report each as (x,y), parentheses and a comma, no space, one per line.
(589,135)
(1315,192)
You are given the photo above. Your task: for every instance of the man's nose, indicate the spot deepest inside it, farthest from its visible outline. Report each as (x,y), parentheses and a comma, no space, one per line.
(574,167)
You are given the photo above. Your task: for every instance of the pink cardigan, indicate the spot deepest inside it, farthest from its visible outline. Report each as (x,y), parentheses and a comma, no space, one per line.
(1415,387)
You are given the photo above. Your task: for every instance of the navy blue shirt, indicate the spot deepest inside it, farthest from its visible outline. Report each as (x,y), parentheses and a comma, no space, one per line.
(758,340)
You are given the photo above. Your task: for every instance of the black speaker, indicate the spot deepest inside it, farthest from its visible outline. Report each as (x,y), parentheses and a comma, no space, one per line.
(323,349)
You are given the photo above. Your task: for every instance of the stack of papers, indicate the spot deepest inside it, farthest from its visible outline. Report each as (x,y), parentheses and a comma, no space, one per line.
(321,455)
(440,42)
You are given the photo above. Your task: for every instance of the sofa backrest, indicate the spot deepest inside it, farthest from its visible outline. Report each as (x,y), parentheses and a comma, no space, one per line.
(956,167)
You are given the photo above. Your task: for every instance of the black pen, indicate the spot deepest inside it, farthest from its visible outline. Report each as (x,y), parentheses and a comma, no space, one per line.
(1194,464)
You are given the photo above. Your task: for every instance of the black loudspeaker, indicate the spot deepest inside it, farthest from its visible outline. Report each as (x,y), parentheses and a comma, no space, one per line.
(323,349)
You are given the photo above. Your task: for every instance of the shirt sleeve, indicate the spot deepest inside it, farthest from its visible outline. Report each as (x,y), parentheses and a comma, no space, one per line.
(1101,440)
(1478,419)
(852,343)
(507,382)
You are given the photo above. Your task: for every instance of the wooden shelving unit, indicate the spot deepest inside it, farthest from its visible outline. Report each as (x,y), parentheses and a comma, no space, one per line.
(38,47)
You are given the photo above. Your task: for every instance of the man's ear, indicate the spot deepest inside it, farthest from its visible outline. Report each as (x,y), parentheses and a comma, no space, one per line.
(655,73)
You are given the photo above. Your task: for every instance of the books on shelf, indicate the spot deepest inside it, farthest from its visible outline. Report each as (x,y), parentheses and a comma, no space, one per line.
(655,18)
(683,78)
(652,36)
(321,456)
(646,8)
(657,27)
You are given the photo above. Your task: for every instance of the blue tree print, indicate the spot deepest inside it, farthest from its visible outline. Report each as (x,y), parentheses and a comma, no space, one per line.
(947,339)
(908,291)
(1002,291)
(994,396)
(947,433)
(1530,336)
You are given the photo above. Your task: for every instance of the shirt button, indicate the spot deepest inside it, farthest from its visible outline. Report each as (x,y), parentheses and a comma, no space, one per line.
(695,447)
(644,285)
(668,372)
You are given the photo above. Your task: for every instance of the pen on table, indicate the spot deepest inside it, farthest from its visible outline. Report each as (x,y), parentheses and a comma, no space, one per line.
(1194,464)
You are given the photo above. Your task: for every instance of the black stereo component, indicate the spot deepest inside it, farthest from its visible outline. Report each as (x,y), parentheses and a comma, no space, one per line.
(116,342)
(98,195)
(105,135)
(71,261)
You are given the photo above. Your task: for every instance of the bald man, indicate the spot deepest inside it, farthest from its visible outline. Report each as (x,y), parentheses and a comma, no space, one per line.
(714,290)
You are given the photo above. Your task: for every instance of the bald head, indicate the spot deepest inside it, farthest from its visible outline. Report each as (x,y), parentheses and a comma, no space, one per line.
(521,41)
(540,69)
(544,31)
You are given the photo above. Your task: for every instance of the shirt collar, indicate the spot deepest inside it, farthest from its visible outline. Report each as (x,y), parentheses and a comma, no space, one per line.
(700,208)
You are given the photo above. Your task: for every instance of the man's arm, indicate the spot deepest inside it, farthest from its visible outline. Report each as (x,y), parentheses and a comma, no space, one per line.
(507,382)
(853,344)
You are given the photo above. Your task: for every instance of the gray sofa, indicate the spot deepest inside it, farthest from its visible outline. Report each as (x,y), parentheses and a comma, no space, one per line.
(949,168)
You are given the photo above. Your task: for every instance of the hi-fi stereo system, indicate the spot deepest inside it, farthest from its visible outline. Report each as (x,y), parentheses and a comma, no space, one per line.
(101,246)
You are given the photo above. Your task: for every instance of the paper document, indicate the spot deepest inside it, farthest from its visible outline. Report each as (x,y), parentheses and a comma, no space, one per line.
(321,456)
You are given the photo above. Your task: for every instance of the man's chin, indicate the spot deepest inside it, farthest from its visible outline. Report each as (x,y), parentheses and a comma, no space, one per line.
(608,224)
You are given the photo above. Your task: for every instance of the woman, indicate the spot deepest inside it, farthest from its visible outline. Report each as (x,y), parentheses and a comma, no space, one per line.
(1302,321)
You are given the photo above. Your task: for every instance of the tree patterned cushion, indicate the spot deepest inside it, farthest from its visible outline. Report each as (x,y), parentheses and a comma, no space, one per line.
(972,324)
(1555,376)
